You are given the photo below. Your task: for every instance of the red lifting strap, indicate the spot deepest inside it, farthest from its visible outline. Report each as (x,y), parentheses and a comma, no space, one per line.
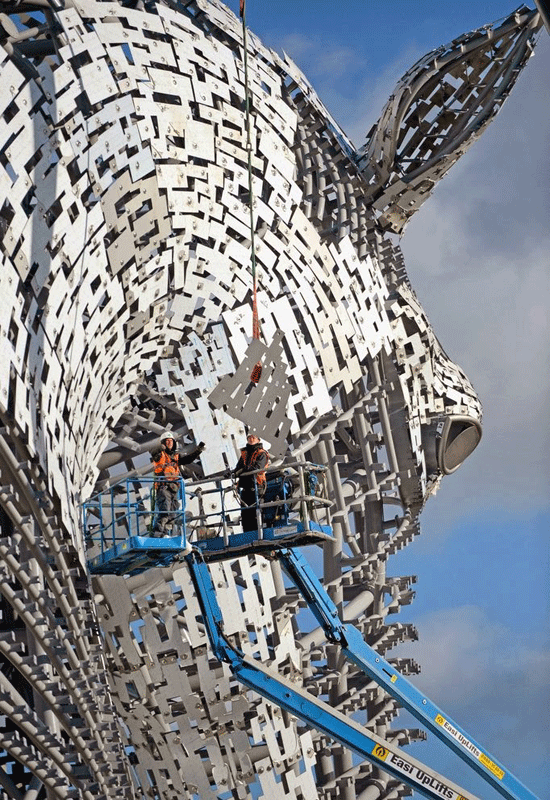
(256,373)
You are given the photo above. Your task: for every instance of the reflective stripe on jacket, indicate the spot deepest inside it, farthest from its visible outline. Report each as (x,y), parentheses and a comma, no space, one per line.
(168,466)
(250,465)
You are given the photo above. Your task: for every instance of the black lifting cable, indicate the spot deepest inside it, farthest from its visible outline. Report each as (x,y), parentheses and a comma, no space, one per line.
(256,331)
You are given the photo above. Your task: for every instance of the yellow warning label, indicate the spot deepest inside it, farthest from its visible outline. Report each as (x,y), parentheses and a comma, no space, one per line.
(491,766)
(393,678)
(470,747)
(380,752)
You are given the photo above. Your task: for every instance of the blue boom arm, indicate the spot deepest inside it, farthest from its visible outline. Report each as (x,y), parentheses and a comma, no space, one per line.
(312,711)
(138,553)
(377,668)
(331,722)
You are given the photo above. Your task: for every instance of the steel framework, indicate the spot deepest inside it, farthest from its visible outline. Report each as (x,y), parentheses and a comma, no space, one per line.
(125,308)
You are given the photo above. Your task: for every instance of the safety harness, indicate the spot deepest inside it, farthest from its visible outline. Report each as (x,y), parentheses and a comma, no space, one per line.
(250,459)
(167,466)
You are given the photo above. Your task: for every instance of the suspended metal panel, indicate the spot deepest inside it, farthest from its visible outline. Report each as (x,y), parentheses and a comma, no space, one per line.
(125,308)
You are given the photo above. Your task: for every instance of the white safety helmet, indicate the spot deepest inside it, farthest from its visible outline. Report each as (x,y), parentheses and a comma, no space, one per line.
(167,435)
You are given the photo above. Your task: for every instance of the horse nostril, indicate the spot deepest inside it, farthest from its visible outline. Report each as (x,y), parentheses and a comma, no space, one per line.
(447,443)
(463,435)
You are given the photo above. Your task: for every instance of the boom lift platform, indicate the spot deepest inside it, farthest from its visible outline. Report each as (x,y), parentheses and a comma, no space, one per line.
(118,522)
(285,521)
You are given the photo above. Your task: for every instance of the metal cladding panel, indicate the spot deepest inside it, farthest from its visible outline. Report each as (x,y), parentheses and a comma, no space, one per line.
(125,308)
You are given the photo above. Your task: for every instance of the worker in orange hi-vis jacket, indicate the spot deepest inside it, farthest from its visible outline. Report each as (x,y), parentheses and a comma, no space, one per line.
(253,457)
(168,466)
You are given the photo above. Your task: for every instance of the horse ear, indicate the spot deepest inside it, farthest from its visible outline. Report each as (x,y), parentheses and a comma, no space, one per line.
(437,110)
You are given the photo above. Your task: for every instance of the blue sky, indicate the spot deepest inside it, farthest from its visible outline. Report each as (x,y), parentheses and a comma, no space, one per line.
(482,602)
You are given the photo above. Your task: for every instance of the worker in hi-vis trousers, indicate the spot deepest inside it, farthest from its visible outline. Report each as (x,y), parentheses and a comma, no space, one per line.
(168,465)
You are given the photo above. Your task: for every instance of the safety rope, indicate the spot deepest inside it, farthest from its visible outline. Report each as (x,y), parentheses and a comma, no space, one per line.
(256,331)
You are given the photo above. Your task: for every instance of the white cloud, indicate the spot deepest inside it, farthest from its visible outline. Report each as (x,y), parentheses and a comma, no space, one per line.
(476,670)
(483,276)
(335,62)
(371,94)
(482,273)
(478,257)
(354,89)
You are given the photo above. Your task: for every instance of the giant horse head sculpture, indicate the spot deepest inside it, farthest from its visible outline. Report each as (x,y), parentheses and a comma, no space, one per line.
(126,307)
